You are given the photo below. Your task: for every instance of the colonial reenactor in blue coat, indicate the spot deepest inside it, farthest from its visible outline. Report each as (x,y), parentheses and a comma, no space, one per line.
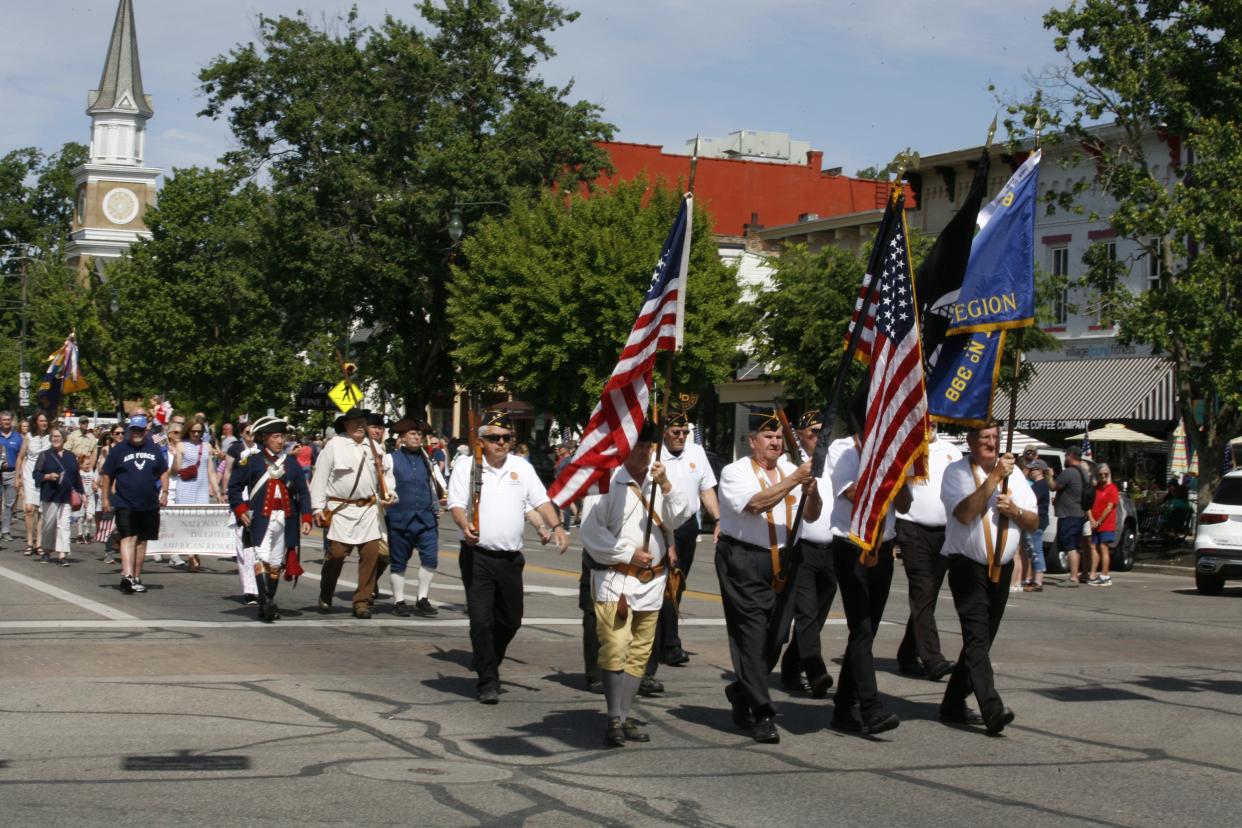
(412,521)
(278,504)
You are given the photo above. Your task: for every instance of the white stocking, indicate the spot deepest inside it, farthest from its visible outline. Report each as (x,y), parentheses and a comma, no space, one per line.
(398,586)
(424,582)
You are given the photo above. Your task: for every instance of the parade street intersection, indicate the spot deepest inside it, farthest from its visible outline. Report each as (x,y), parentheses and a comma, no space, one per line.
(177,708)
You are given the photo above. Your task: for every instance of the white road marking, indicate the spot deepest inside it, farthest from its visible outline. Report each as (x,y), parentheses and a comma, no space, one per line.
(344,621)
(528,589)
(64,595)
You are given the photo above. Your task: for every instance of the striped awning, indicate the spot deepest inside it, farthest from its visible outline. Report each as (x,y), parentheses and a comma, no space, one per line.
(1121,388)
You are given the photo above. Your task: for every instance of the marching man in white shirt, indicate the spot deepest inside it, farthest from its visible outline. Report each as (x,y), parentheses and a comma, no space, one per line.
(758,497)
(972,497)
(492,560)
(920,534)
(629,568)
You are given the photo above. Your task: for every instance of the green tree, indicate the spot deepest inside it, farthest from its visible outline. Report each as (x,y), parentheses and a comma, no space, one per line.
(197,317)
(371,137)
(1172,67)
(36,198)
(549,293)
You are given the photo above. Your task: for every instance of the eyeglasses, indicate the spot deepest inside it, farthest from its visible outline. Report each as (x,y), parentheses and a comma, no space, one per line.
(498,438)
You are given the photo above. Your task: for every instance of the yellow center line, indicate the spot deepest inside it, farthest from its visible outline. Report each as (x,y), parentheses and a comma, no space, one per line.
(565,573)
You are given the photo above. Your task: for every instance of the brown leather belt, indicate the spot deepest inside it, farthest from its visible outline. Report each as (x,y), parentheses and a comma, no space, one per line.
(644,574)
(361,501)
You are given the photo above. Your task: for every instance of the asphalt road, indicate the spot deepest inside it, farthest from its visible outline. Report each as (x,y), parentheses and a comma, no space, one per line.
(176,707)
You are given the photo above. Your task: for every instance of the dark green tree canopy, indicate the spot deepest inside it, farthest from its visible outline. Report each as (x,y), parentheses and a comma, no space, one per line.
(373,136)
(547,295)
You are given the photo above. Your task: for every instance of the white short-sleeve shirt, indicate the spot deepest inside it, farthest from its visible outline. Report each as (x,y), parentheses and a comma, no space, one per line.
(690,473)
(926,508)
(739,482)
(960,482)
(507,494)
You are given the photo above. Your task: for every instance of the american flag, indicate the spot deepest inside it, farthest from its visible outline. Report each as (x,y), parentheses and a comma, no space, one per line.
(621,410)
(1088,453)
(895,434)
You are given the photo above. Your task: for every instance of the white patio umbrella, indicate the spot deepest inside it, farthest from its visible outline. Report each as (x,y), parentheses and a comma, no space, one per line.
(1114,433)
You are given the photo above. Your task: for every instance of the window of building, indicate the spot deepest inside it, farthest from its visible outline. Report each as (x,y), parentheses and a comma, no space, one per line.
(1060,271)
(1155,265)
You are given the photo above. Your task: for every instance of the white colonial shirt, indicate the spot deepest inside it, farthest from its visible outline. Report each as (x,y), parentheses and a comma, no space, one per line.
(614,528)
(335,472)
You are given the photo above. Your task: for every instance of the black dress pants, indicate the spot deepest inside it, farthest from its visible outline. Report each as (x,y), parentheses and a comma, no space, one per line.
(493,582)
(925,568)
(814,589)
(745,574)
(667,639)
(980,606)
(590,636)
(864,592)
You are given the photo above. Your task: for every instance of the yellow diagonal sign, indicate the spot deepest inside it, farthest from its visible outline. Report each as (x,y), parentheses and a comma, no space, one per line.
(345,395)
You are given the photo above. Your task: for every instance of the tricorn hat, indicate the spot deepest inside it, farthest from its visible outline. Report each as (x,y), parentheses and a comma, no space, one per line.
(269,425)
(374,418)
(498,418)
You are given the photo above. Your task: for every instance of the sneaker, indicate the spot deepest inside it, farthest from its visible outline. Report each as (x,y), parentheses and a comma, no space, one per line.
(176,560)
(137,585)
(45,558)
(1097,582)
(1015,589)
(109,560)
(423,607)
(1106,580)
(127,585)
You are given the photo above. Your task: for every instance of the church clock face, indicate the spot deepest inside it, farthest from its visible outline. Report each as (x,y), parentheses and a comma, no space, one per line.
(120,206)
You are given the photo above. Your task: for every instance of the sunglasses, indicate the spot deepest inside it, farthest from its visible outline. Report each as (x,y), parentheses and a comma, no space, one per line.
(498,438)
(679,432)
(196,431)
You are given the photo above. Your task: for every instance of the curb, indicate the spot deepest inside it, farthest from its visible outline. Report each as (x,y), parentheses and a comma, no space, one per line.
(1165,569)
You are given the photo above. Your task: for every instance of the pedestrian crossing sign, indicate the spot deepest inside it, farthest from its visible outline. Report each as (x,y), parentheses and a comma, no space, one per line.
(345,395)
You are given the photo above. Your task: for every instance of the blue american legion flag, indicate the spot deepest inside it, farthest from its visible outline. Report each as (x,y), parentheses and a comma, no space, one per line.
(894,436)
(622,408)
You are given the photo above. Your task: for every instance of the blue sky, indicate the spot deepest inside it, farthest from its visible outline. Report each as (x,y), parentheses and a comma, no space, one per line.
(858,80)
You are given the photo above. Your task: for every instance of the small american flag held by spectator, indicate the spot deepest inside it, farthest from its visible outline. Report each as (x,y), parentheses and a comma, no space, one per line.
(104,524)
(622,409)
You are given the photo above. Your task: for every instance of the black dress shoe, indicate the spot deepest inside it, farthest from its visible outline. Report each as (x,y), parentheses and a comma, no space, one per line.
(595,686)
(401,609)
(879,722)
(997,723)
(742,715)
(844,721)
(911,668)
(614,736)
(820,687)
(424,608)
(962,716)
(675,657)
(765,731)
(489,695)
(324,607)
(796,685)
(362,611)
(938,671)
(650,687)
(633,732)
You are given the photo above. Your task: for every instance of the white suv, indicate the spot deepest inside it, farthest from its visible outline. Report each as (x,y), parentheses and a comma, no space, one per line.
(1218,542)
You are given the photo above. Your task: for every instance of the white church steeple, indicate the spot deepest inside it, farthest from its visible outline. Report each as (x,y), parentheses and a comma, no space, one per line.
(114,188)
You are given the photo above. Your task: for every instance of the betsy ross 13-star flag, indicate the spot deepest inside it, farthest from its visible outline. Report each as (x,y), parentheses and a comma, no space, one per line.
(894,436)
(621,410)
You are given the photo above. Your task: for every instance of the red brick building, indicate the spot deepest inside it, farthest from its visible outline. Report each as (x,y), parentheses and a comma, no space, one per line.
(741,193)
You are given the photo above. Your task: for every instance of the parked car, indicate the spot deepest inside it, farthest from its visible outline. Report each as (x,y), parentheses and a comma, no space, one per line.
(1218,541)
(1127,526)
